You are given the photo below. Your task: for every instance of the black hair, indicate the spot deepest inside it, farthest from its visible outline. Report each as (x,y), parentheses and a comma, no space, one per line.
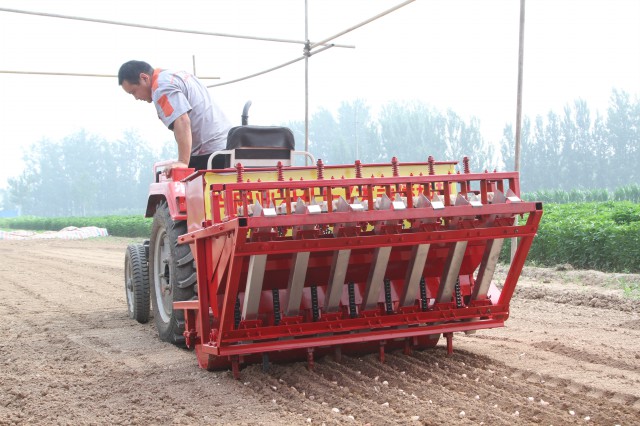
(130,71)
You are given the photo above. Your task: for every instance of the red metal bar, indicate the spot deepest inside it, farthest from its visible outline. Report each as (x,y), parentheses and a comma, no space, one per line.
(341,339)
(203,272)
(511,177)
(518,260)
(373,241)
(449,337)
(231,290)
(370,216)
(498,312)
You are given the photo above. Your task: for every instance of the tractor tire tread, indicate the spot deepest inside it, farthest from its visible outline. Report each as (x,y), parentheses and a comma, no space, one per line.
(139,270)
(183,286)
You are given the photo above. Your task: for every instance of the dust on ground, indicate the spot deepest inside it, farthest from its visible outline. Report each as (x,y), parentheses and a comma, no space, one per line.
(69,354)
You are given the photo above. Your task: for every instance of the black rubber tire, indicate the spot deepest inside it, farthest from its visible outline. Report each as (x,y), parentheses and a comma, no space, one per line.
(136,283)
(172,274)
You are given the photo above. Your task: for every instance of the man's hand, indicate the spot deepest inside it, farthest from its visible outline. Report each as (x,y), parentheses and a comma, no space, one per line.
(176,165)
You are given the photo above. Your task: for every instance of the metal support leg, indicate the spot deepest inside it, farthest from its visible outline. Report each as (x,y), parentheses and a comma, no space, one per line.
(265,362)
(449,337)
(382,345)
(235,366)
(310,359)
(337,353)
(407,346)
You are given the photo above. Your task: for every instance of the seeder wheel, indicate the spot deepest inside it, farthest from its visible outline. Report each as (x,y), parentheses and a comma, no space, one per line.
(426,342)
(136,283)
(206,361)
(172,274)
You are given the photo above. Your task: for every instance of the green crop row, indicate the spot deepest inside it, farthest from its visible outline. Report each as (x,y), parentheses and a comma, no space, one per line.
(559,196)
(118,226)
(602,236)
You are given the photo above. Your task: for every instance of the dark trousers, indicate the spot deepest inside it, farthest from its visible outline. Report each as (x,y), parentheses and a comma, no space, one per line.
(199,162)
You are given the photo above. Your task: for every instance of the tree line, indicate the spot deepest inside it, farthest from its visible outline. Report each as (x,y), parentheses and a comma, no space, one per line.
(85,175)
(571,150)
(575,150)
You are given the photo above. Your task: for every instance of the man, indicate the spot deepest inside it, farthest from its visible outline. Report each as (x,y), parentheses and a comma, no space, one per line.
(184,106)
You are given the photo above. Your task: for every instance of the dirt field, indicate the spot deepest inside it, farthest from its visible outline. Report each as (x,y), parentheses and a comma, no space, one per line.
(570,354)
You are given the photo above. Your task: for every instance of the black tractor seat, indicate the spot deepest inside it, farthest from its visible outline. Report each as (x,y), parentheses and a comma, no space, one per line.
(259,146)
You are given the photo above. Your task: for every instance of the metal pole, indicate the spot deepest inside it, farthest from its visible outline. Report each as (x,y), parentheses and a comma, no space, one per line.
(75,74)
(153,27)
(355,128)
(306,79)
(380,15)
(520,72)
(514,241)
(256,74)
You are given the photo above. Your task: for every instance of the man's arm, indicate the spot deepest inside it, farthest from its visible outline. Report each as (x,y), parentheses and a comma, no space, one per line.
(182,133)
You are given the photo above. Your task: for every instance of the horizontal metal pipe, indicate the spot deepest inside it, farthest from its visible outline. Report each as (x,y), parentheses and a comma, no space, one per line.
(157,28)
(342,339)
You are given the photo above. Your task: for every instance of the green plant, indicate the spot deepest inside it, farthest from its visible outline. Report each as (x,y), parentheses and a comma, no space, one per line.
(600,235)
(119,226)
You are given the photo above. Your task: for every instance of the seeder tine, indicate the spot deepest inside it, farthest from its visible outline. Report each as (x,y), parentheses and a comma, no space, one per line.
(414,274)
(376,276)
(296,282)
(512,197)
(509,197)
(398,203)
(451,271)
(258,210)
(337,277)
(255,277)
(421,201)
(461,201)
(383,203)
(379,261)
(498,197)
(487,268)
(438,202)
(300,207)
(474,200)
(342,205)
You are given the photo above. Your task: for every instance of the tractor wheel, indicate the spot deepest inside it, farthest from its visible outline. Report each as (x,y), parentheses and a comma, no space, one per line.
(136,282)
(172,274)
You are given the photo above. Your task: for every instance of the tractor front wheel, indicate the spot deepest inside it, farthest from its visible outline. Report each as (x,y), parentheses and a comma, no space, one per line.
(136,282)
(172,274)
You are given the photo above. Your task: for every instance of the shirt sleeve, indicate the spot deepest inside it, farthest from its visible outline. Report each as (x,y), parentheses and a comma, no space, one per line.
(170,104)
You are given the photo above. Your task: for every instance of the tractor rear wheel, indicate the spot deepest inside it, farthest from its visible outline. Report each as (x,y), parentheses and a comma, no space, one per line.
(172,274)
(136,282)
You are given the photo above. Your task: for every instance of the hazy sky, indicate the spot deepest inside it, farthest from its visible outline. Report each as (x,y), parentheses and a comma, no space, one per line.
(458,54)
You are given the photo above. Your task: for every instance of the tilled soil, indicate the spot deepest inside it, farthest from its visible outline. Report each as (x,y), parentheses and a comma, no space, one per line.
(69,354)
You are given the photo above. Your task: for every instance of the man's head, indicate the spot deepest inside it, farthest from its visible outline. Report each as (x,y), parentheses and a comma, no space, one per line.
(135,79)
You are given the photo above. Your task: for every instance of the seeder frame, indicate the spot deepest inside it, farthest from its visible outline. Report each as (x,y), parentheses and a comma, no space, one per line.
(352,273)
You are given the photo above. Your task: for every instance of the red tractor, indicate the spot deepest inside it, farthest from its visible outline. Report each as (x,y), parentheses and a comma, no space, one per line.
(267,261)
